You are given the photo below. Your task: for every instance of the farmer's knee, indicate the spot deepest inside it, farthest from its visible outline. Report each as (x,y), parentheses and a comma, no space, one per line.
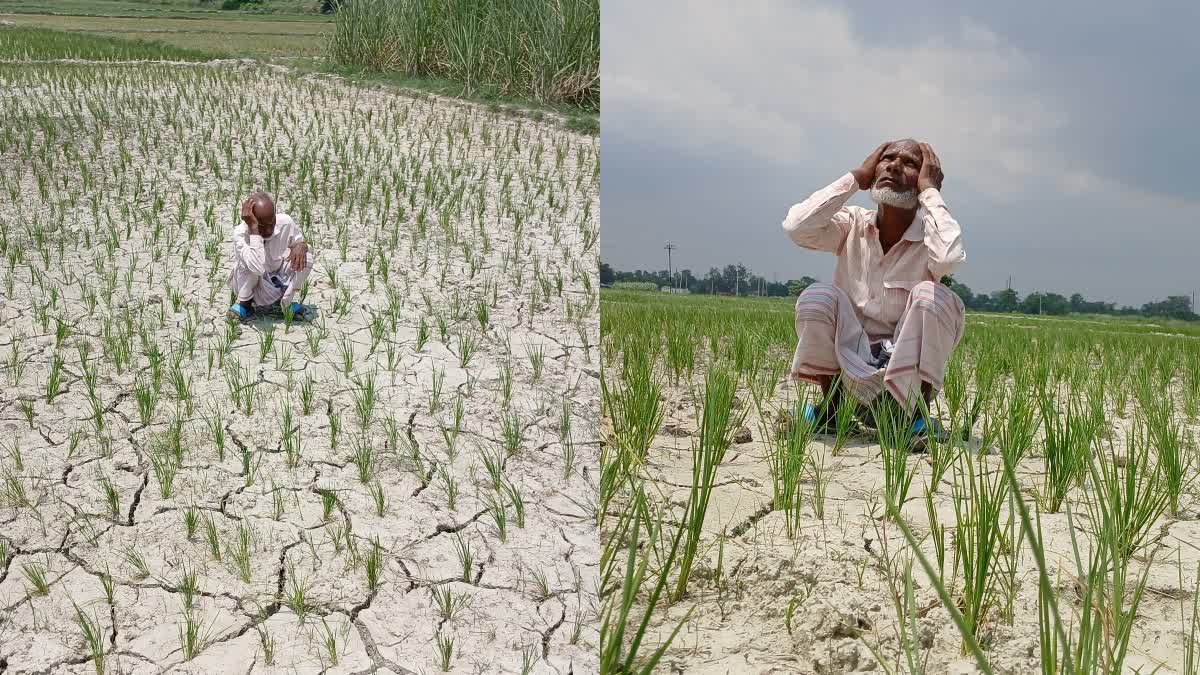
(817,301)
(938,299)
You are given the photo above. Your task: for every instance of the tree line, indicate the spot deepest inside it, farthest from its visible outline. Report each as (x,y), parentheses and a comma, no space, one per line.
(740,280)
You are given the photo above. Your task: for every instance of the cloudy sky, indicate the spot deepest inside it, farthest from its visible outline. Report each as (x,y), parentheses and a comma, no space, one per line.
(1067,133)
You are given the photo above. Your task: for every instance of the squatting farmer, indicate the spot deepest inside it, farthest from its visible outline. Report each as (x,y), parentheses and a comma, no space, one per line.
(270,261)
(885,323)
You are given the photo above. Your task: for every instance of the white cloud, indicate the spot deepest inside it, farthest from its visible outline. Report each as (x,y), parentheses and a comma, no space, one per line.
(773,78)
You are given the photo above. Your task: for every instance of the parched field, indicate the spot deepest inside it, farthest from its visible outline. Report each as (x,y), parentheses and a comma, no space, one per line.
(1057,534)
(261,37)
(402,485)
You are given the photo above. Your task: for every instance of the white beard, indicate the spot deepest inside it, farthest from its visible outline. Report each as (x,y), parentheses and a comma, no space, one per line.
(891,197)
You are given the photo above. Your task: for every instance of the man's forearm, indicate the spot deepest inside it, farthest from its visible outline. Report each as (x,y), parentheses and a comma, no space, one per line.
(944,238)
(818,222)
(251,253)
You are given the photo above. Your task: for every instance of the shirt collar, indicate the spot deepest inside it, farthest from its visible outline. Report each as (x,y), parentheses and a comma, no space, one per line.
(915,231)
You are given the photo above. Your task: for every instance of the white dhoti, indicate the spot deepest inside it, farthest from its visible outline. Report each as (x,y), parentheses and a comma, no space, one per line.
(831,340)
(269,288)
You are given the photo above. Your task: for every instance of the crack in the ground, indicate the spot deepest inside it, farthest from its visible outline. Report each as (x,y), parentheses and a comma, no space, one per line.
(137,498)
(443,528)
(479,576)
(550,632)
(746,524)
(378,660)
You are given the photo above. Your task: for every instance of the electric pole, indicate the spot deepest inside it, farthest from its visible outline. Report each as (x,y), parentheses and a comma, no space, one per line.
(670,247)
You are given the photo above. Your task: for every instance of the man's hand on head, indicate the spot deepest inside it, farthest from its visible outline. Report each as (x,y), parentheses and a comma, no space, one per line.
(865,174)
(298,256)
(931,170)
(248,216)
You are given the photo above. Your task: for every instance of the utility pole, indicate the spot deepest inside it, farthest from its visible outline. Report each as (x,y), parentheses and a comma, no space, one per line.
(670,247)
(737,280)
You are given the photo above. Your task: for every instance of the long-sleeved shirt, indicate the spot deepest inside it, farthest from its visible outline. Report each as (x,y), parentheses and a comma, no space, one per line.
(876,282)
(264,256)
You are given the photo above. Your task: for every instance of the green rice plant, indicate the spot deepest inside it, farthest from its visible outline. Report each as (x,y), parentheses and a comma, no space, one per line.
(94,637)
(335,426)
(517,501)
(365,399)
(216,430)
(717,424)
(306,394)
(374,565)
(422,335)
(213,537)
(241,552)
(1175,459)
(26,406)
(537,359)
(895,444)
(378,498)
(191,519)
(787,459)
(1130,496)
(328,502)
(466,558)
(147,399)
(188,587)
(494,502)
(512,433)
(15,455)
(194,636)
(165,467)
(1067,449)
(12,490)
(447,602)
(979,497)
(137,561)
(445,651)
(35,576)
(296,598)
(346,353)
(54,380)
(506,382)
(111,497)
(266,341)
(619,652)
(435,391)
(365,459)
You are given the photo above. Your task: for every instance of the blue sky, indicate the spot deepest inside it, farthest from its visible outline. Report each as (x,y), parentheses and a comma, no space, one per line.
(1067,134)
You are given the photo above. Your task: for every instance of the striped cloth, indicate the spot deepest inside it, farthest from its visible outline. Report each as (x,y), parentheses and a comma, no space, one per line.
(831,339)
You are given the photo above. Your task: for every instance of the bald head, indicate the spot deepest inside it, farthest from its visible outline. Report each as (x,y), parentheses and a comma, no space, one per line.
(264,208)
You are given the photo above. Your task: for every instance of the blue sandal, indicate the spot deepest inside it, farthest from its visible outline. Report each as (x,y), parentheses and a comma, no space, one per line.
(237,313)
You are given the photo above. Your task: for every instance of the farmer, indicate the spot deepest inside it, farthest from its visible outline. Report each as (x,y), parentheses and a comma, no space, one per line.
(885,322)
(270,261)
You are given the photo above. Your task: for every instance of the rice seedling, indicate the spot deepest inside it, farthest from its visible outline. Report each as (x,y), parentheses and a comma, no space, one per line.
(35,578)
(466,557)
(212,537)
(447,602)
(374,565)
(194,636)
(445,651)
(1068,445)
(717,424)
(241,551)
(94,638)
(297,595)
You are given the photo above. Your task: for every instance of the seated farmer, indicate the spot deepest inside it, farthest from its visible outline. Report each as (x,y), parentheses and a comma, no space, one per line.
(270,260)
(885,321)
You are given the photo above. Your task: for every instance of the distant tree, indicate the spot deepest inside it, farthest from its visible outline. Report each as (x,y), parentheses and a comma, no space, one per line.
(606,274)
(797,286)
(1006,300)
(1175,307)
